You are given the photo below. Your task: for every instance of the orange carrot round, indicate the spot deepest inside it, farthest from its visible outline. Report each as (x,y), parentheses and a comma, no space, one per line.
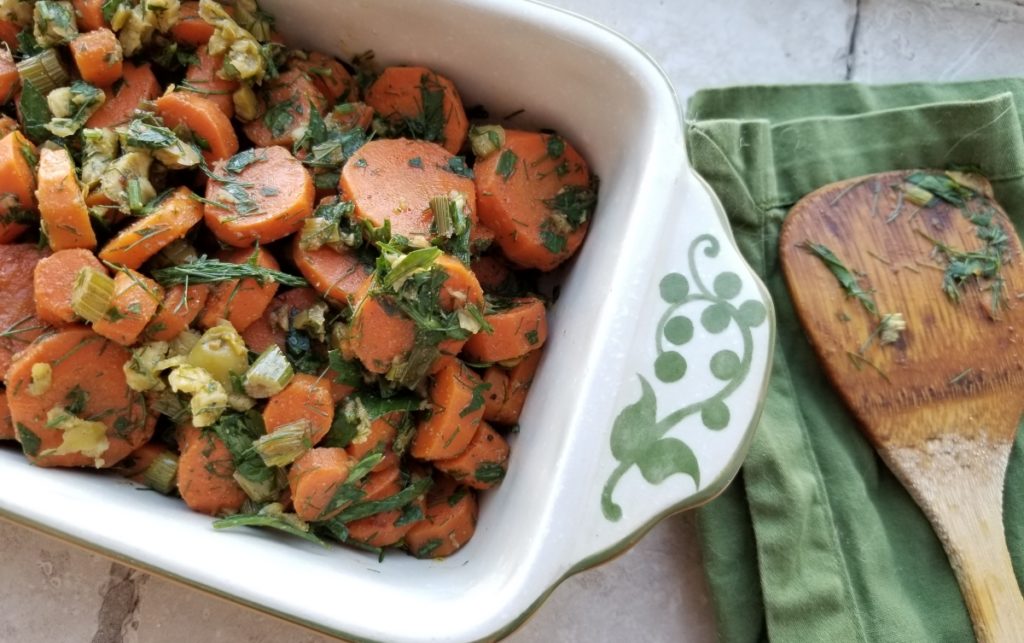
(520,188)
(9,78)
(293,95)
(204,118)
(484,462)
(381,436)
(328,75)
(203,79)
(65,217)
(6,423)
(265,200)
(404,95)
(379,334)
(394,180)
(190,29)
(86,381)
(516,331)
(450,520)
(241,302)
(9,33)
(19,183)
(89,14)
(179,308)
(138,85)
(504,400)
(205,476)
(53,281)
(457,406)
(306,397)
(314,479)
(18,322)
(98,57)
(336,275)
(173,217)
(135,301)
(269,329)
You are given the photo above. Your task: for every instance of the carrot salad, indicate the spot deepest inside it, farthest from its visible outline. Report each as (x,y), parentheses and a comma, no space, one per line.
(296,291)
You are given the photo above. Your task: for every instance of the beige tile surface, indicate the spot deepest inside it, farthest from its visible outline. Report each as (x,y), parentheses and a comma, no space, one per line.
(51,592)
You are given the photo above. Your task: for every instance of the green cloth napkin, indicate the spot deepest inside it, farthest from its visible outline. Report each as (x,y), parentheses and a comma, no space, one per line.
(816,540)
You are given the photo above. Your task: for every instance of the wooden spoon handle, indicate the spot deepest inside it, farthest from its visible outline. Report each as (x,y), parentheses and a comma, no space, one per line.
(958,482)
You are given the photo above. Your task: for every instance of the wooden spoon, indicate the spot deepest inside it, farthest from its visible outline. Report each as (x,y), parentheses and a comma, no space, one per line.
(942,402)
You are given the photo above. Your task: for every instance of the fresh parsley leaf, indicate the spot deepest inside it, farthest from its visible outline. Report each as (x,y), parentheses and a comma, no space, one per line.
(35,113)
(844,276)
(457,165)
(244,159)
(575,203)
(490,472)
(476,402)
(280,116)
(556,147)
(30,442)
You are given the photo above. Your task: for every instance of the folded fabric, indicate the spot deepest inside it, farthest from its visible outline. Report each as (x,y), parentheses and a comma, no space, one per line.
(816,540)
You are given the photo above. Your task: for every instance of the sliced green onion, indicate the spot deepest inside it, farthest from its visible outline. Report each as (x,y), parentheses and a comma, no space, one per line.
(486,139)
(286,444)
(162,474)
(92,293)
(44,71)
(441,206)
(259,490)
(269,374)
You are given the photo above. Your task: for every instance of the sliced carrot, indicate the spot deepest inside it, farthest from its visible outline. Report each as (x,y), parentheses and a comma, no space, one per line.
(179,308)
(90,14)
(18,178)
(504,400)
(386,528)
(381,482)
(204,79)
(516,331)
(329,76)
(292,97)
(517,189)
(459,289)
(336,275)
(7,125)
(98,57)
(404,95)
(138,84)
(492,273)
(204,118)
(53,281)
(381,436)
(265,200)
(241,302)
(9,31)
(450,520)
(314,479)
(174,216)
(271,328)
(6,423)
(394,180)
(484,462)
(350,116)
(86,380)
(206,476)
(457,406)
(190,28)
(9,79)
(135,301)
(380,334)
(62,210)
(18,322)
(305,398)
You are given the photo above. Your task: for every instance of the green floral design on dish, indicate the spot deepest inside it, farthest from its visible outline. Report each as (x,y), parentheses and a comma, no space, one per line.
(638,436)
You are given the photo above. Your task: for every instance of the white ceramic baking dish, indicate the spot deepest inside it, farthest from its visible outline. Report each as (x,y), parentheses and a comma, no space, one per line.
(645,401)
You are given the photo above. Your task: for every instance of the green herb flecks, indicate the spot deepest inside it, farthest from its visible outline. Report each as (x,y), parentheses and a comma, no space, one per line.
(476,402)
(350,491)
(208,271)
(457,165)
(397,501)
(490,472)
(556,147)
(280,117)
(843,275)
(30,442)
(574,203)
(242,160)
(942,186)
(507,163)
(238,431)
(274,517)
(35,113)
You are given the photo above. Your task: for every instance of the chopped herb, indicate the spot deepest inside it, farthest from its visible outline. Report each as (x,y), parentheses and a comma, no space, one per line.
(411,513)
(476,402)
(238,431)
(280,117)
(961,375)
(531,336)
(346,372)
(110,8)
(554,242)
(556,147)
(35,113)
(428,548)
(299,349)
(490,472)
(942,186)
(843,275)
(361,162)
(272,516)
(30,442)
(575,203)
(457,165)
(457,497)
(350,491)
(507,163)
(391,503)
(268,190)
(75,400)
(242,160)
(416,162)
(208,271)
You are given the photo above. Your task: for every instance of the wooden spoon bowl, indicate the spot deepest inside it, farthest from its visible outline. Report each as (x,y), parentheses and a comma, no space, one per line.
(941,399)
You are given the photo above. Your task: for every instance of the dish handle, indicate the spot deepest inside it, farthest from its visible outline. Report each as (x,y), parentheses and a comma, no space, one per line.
(694,378)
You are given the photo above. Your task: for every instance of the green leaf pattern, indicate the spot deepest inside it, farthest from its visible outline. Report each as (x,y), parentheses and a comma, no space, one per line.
(638,437)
